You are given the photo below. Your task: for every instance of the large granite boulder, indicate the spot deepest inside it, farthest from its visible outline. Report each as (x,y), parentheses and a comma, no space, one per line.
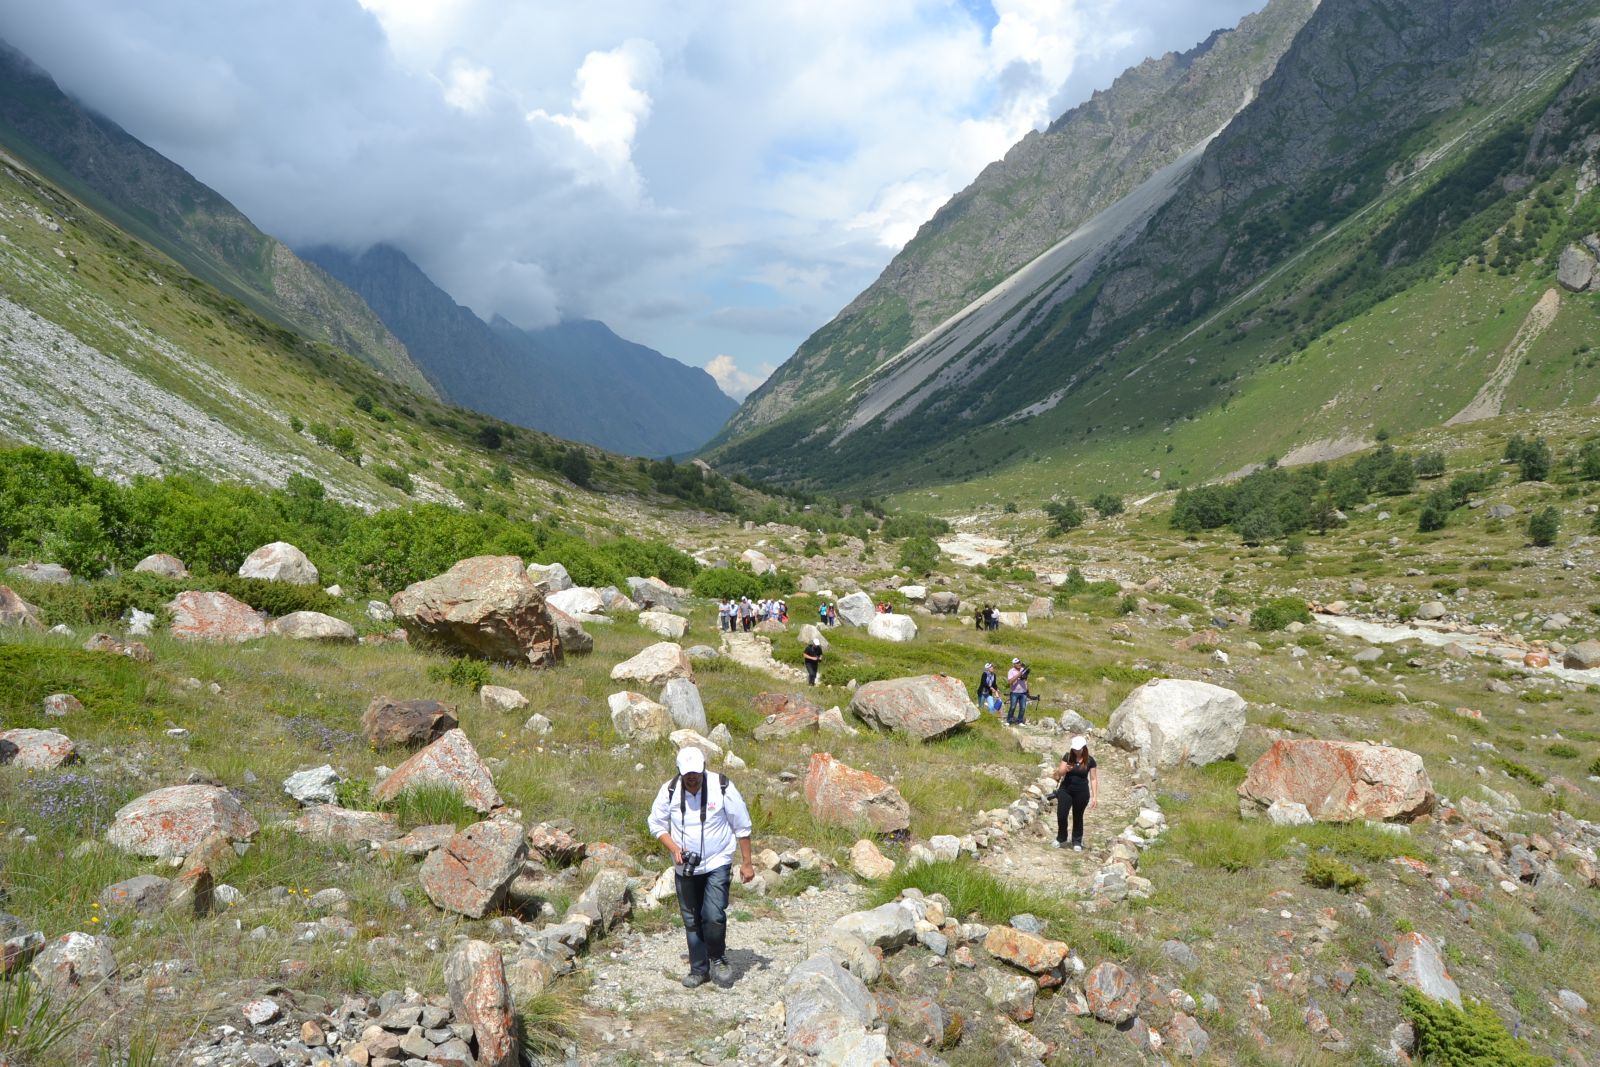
(944,603)
(664,624)
(634,715)
(1339,781)
(42,573)
(924,707)
(329,822)
(475,976)
(857,608)
(198,616)
(452,762)
(892,627)
(656,665)
(390,723)
(840,795)
(487,607)
(314,626)
(550,577)
(279,562)
(472,872)
(811,633)
(681,698)
(36,750)
(1173,721)
(14,611)
(173,821)
(576,600)
(162,564)
(824,1003)
(757,561)
(654,593)
(1583,656)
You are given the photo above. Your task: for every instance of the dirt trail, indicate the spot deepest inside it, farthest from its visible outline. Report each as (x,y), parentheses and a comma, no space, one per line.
(1486,405)
(755,651)
(1028,857)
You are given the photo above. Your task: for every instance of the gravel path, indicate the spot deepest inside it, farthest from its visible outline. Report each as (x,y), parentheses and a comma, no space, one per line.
(638,1012)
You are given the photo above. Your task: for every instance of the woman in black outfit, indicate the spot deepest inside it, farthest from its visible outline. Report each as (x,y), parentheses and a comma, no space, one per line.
(1080,783)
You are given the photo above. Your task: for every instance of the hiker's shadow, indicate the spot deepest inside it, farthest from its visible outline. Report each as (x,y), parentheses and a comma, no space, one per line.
(747,961)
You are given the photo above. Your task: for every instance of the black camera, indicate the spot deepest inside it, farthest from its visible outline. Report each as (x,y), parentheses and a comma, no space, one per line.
(691,860)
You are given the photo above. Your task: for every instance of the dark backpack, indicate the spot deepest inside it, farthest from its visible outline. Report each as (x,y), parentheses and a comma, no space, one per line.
(672,788)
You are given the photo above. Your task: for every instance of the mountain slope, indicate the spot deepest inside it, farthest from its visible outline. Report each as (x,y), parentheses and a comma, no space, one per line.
(1389,145)
(154,199)
(575,380)
(1047,185)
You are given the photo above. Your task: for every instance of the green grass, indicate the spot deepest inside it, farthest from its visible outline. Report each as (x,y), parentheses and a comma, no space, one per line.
(972,891)
(1325,872)
(433,805)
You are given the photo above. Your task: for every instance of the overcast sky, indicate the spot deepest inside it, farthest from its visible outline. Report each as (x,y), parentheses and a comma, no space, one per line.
(713,179)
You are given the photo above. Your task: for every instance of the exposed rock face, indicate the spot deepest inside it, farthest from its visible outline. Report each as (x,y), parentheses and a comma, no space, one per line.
(550,577)
(1417,963)
(162,564)
(892,627)
(1583,656)
(575,640)
(843,796)
(925,707)
(175,820)
(1577,268)
(487,607)
(944,603)
(636,715)
(1339,781)
(279,562)
(656,665)
(36,750)
(664,624)
(681,698)
(198,616)
(475,975)
(786,715)
(314,626)
(471,873)
(576,600)
(329,822)
(1171,721)
(822,1002)
(450,761)
(14,611)
(390,723)
(856,609)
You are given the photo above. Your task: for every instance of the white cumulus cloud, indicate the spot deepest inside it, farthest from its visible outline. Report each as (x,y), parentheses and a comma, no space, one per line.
(733,380)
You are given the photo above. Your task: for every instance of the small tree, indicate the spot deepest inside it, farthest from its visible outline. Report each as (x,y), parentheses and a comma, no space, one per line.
(576,468)
(1543,525)
(1589,459)
(1535,460)
(1064,515)
(1258,527)
(1430,465)
(1107,504)
(919,555)
(1433,516)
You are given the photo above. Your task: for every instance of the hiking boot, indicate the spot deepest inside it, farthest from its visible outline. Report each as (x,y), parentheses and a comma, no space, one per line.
(1077,846)
(694,980)
(722,973)
(1055,844)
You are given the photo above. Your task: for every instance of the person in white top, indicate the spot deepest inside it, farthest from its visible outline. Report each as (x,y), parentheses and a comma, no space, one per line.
(701,823)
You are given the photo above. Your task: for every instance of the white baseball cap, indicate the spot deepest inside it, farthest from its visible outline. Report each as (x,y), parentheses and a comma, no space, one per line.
(691,760)
(1015,660)
(1077,742)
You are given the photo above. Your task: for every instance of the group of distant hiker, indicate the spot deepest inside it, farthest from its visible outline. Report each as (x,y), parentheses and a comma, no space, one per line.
(986,618)
(743,614)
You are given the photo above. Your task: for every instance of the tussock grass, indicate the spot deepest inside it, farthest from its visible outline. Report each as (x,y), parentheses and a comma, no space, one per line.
(971,890)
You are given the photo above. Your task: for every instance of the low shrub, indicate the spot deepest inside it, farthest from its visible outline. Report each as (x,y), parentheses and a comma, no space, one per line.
(1469,1036)
(470,674)
(1325,872)
(275,598)
(1279,613)
(1562,750)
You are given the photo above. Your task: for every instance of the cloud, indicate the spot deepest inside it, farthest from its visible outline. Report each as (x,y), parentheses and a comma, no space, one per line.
(704,176)
(732,380)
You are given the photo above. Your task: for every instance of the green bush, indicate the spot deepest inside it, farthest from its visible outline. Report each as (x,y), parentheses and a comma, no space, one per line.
(470,674)
(919,555)
(1433,516)
(1107,504)
(1277,614)
(392,475)
(1562,750)
(1534,460)
(1469,1036)
(1543,526)
(1594,767)
(1325,872)
(715,583)
(275,598)
(1064,515)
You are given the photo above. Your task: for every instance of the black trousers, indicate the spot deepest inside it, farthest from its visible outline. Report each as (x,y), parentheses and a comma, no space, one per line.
(1073,801)
(811,671)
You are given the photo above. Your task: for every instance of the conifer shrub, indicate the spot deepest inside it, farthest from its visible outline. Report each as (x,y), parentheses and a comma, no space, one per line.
(1469,1036)
(1325,872)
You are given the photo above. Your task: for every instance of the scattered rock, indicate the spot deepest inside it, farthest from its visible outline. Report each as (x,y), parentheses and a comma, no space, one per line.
(1288,813)
(578,600)
(785,715)
(279,562)
(144,894)
(136,650)
(164,565)
(60,705)
(329,822)
(499,698)
(538,725)
(823,1002)
(1433,610)
(198,616)
(1583,656)
(475,975)
(314,626)
(925,707)
(654,593)
(450,761)
(843,796)
(74,962)
(175,820)
(1032,953)
(1172,721)
(857,609)
(36,750)
(944,603)
(316,786)
(1112,993)
(656,665)
(471,873)
(550,577)
(1339,781)
(1416,962)
(892,627)
(634,715)
(43,573)
(1576,268)
(869,863)
(14,611)
(487,607)
(390,723)
(681,698)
